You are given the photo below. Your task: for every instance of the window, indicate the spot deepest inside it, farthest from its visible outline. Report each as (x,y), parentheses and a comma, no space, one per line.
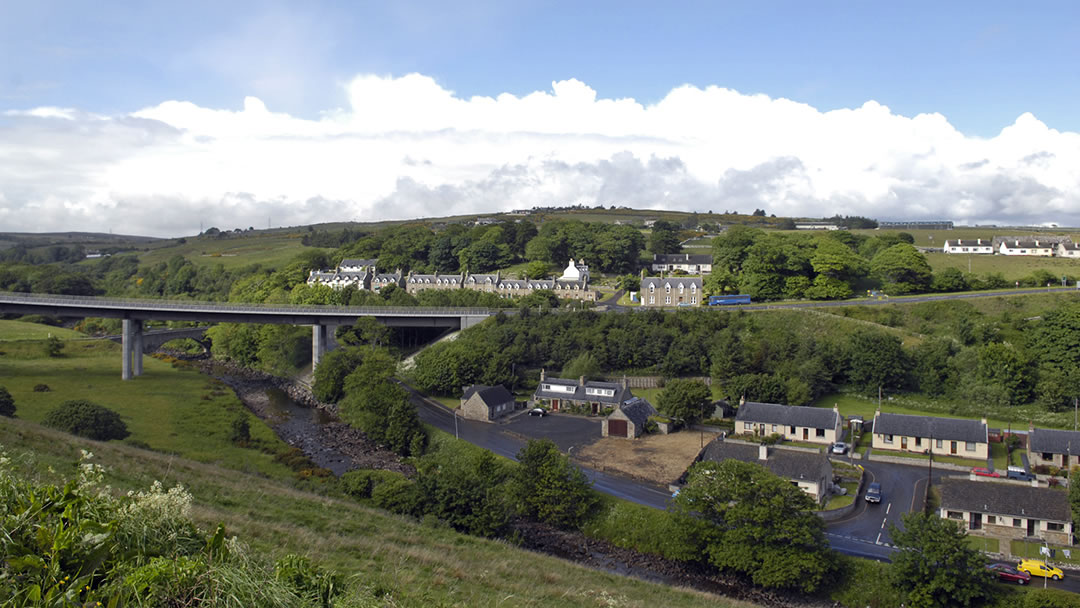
(667,288)
(667,299)
(955,515)
(1054,527)
(918,441)
(1047,456)
(652,299)
(792,429)
(774,428)
(1017,523)
(652,288)
(887,439)
(693,287)
(991,519)
(748,426)
(940,443)
(693,299)
(819,432)
(681,287)
(969,446)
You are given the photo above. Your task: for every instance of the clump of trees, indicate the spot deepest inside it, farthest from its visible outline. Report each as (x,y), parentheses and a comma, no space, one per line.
(86,419)
(935,566)
(7,403)
(686,400)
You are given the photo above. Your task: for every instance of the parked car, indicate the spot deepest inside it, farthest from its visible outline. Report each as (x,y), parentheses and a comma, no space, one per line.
(984,472)
(1018,473)
(1009,574)
(839,448)
(873,493)
(1037,567)
(538,411)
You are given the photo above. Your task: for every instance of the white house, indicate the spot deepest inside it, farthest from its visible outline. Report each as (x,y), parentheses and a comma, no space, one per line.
(1026,247)
(685,262)
(816,226)
(969,246)
(1067,249)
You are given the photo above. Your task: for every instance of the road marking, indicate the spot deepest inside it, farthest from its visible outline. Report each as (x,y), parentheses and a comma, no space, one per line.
(883,522)
(878,541)
(887,507)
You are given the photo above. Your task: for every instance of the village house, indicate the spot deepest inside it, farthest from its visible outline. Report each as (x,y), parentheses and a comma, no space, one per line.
(594,396)
(340,279)
(628,420)
(810,471)
(1052,447)
(793,422)
(1008,511)
(980,246)
(486,403)
(420,282)
(671,291)
(356,265)
(1036,247)
(1067,249)
(942,436)
(387,278)
(684,262)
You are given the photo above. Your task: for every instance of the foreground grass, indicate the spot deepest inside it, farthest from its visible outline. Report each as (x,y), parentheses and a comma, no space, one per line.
(406,563)
(21,330)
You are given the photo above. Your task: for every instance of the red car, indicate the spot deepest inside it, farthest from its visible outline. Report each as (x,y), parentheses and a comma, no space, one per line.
(985,472)
(1009,574)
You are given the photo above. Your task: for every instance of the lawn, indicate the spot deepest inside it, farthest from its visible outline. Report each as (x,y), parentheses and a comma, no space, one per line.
(1023,548)
(999,452)
(21,330)
(837,502)
(984,544)
(1013,267)
(964,462)
(178,411)
(854,405)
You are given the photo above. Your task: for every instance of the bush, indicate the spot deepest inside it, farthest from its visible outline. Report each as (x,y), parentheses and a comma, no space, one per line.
(41,388)
(86,419)
(241,430)
(360,483)
(7,403)
(53,346)
(397,495)
(1051,598)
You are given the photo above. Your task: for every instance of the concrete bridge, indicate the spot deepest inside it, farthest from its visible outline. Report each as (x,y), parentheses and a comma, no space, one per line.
(322,318)
(155,338)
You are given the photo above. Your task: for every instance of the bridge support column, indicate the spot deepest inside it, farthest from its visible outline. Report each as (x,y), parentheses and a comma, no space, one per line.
(319,340)
(137,351)
(131,329)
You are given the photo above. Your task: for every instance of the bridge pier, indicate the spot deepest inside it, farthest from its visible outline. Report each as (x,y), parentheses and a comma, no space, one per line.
(320,338)
(131,348)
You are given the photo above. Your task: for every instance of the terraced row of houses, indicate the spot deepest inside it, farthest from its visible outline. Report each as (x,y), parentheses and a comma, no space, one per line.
(1044,246)
(361,274)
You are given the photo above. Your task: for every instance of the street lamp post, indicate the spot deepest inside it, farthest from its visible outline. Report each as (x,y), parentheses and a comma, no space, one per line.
(930,472)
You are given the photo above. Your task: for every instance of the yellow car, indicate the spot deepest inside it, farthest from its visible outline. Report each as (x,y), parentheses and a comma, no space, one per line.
(1037,567)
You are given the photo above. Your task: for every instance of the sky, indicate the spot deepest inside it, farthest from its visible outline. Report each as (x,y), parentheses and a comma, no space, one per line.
(158,118)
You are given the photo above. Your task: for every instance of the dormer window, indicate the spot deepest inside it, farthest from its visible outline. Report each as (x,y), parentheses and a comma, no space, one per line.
(667,288)
(693,287)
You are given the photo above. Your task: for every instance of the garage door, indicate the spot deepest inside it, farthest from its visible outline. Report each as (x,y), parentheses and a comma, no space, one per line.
(616,428)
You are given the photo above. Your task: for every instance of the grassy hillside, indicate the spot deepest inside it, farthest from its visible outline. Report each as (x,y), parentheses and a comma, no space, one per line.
(270,249)
(21,330)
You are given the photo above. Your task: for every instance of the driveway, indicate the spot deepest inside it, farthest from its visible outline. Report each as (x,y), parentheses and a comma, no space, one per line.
(568,432)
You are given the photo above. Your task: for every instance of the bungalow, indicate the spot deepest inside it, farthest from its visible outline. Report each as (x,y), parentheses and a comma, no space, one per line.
(1008,511)
(685,262)
(628,420)
(1067,249)
(809,471)
(486,403)
(969,246)
(672,291)
(1052,447)
(793,422)
(942,436)
(1026,247)
(559,393)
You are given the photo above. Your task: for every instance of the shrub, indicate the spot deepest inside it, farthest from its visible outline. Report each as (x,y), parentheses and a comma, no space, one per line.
(1050,598)
(41,388)
(307,580)
(53,346)
(398,495)
(241,430)
(86,419)
(7,403)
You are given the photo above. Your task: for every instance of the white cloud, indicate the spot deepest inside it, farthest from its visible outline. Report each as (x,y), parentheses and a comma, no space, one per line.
(407,147)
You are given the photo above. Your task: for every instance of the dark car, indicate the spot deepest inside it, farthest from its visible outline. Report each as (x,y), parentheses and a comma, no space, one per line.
(1018,473)
(1009,574)
(873,493)
(538,411)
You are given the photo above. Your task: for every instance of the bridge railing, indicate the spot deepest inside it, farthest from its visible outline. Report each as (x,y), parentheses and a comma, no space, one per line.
(256,308)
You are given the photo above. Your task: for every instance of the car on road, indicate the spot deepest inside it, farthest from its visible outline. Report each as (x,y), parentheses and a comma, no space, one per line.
(1019,473)
(873,493)
(839,448)
(984,472)
(1037,567)
(1009,574)
(538,411)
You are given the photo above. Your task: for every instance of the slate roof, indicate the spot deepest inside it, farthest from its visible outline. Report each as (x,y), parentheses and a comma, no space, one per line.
(1032,244)
(1054,441)
(788,415)
(1005,499)
(637,410)
(789,464)
(682,258)
(483,278)
(423,278)
(969,243)
(569,284)
(622,394)
(357,262)
(952,429)
(1070,246)
(490,395)
(385,277)
(673,281)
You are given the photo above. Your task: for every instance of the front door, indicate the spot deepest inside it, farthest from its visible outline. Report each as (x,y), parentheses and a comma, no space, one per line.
(761,429)
(952,448)
(1033,525)
(805,434)
(976,521)
(555,404)
(903,443)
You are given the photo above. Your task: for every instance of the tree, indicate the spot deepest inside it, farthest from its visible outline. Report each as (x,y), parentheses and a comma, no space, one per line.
(1006,367)
(7,403)
(1055,341)
(766,388)
(584,364)
(664,238)
(761,525)
(546,487)
(330,374)
(628,282)
(877,359)
(537,269)
(902,269)
(685,399)
(462,488)
(404,433)
(1074,495)
(935,566)
(241,430)
(53,346)
(86,419)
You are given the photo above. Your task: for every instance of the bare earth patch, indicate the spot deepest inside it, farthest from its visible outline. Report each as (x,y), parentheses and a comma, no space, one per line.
(660,459)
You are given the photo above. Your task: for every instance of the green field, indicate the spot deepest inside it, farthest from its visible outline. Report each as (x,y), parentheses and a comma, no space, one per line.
(20,330)
(1013,267)
(271,250)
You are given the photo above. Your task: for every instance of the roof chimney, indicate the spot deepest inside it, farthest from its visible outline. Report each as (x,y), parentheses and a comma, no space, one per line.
(983,420)
(581,380)
(763,452)
(624,381)
(978,241)
(541,374)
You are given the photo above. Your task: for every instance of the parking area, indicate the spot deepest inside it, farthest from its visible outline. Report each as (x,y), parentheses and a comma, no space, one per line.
(565,430)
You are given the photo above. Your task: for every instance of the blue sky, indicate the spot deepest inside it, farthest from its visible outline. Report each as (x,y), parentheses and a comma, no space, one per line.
(107,94)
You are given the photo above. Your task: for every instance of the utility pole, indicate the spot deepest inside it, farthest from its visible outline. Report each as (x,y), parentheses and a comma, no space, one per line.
(930,473)
(455,426)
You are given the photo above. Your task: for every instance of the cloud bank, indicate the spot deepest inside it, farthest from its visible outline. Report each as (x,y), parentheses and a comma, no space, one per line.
(406,147)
